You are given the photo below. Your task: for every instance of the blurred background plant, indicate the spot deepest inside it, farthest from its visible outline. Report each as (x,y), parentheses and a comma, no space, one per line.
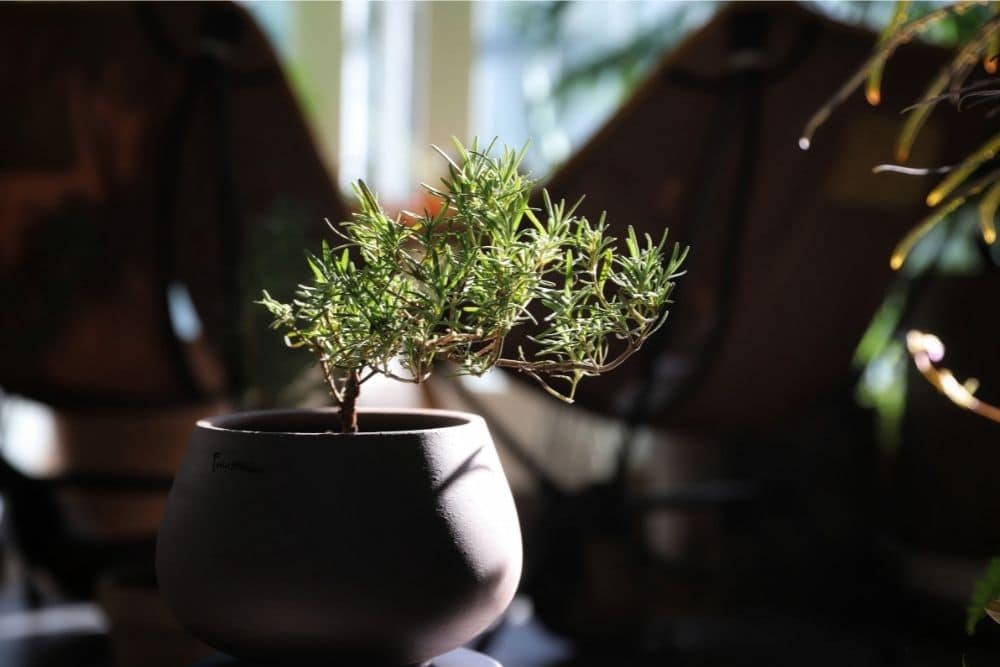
(552,70)
(958,234)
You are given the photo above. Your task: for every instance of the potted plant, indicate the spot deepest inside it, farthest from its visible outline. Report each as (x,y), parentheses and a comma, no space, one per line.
(329,535)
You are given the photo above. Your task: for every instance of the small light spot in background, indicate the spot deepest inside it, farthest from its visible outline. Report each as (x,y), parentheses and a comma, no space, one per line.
(557,146)
(881,374)
(520,611)
(804,143)
(534,645)
(183,316)
(29,433)
(81,618)
(536,81)
(490,383)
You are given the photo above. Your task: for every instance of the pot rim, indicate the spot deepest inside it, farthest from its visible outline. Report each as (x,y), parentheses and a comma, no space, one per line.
(228,422)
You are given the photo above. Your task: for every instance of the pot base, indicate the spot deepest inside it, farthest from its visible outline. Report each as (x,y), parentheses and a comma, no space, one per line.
(460,657)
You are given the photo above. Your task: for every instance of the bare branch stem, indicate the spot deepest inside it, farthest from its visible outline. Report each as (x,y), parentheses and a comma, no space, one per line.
(349,406)
(905,33)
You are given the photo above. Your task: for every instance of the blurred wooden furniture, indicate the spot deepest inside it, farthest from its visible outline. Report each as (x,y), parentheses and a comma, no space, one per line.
(155,170)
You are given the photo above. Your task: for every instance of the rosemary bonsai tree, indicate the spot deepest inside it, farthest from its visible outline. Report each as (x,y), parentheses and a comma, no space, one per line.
(398,294)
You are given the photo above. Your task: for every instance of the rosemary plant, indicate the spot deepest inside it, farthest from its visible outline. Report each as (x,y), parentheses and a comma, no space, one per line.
(398,294)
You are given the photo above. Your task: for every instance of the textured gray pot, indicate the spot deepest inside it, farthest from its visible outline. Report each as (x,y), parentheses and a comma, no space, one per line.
(284,543)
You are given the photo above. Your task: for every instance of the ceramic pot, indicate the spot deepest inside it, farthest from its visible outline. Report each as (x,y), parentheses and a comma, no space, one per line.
(287,543)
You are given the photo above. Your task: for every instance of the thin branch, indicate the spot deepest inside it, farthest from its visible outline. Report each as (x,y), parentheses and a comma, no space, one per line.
(412,380)
(969,55)
(371,373)
(550,367)
(927,350)
(328,375)
(904,35)
(985,85)
(913,171)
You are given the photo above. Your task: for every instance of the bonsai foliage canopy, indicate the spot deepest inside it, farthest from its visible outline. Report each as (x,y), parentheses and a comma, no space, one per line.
(398,294)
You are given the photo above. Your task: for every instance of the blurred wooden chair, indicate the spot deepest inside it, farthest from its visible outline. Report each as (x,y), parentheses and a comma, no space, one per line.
(155,171)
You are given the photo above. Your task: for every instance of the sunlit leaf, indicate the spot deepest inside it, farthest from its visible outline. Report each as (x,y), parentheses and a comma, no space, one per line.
(873,85)
(987,213)
(918,115)
(950,182)
(992,53)
(985,593)
(903,248)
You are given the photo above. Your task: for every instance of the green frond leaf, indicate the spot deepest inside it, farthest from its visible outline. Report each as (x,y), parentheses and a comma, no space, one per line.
(987,590)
